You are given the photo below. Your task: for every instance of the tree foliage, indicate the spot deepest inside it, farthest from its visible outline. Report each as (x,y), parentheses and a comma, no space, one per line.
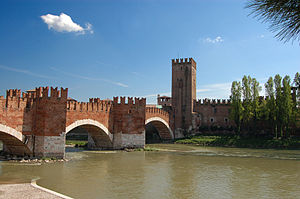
(284,16)
(276,113)
(236,103)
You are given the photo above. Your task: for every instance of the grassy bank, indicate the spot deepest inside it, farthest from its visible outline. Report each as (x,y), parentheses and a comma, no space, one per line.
(242,142)
(77,143)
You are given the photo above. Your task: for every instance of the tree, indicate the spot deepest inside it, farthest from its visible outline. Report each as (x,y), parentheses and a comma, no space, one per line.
(278,103)
(247,111)
(287,105)
(255,89)
(297,85)
(284,16)
(236,104)
(270,104)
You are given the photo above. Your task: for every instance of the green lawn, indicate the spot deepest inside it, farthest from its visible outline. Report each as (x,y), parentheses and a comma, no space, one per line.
(237,141)
(78,143)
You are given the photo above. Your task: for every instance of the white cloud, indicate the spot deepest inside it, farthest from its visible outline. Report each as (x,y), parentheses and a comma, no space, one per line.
(64,23)
(218,39)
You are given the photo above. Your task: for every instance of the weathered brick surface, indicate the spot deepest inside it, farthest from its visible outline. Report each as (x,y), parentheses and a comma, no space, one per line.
(98,110)
(129,118)
(50,146)
(212,113)
(42,121)
(183,91)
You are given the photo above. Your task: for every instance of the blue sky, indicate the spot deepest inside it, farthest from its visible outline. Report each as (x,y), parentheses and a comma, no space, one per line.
(124,48)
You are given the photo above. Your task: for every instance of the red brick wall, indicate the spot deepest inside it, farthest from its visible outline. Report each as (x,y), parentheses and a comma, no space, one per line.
(156,112)
(212,109)
(129,118)
(183,91)
(98,110)
(50,112)
(13,111)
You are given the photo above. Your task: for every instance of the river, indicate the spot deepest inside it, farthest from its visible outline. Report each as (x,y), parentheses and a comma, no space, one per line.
(178,171)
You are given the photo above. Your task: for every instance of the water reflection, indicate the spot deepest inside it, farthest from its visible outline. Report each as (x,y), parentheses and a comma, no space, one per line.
(177,172)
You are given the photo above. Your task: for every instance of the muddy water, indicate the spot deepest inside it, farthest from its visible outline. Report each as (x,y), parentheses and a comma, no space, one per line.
(178,171)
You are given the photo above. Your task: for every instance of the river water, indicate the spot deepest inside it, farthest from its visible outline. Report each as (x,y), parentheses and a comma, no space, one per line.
(178,171)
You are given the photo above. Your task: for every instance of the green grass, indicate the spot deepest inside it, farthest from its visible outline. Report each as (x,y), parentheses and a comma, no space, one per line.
(242,142)
(147,148)
(77,143)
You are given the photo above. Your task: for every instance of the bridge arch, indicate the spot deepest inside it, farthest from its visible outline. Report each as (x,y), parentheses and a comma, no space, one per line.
(101,137)
(13,141)
(163,128)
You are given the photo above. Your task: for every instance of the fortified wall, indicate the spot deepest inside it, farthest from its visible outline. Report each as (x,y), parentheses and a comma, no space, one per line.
(31,116)
(36,122)
(208,113)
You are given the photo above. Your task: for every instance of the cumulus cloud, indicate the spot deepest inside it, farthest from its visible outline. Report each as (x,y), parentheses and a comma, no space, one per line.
(218,39)
(64,23)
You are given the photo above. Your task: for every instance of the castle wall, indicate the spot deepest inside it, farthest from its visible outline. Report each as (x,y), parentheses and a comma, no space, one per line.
(96,109)
(129,122)
(212,113)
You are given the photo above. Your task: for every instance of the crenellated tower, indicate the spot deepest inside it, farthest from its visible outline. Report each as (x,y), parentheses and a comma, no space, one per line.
(183,91)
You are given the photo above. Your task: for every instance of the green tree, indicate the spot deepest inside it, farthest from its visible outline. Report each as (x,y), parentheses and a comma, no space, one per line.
(247,111)
(284,16)
(287,105)
(255,89)
(278,103)
(297,85)
(236,104)
(297,103)
(271,105)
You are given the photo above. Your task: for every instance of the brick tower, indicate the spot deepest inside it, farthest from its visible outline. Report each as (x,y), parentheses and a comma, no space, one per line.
(183,91)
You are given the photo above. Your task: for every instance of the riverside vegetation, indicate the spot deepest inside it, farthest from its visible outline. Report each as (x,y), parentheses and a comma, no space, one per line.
(272,121)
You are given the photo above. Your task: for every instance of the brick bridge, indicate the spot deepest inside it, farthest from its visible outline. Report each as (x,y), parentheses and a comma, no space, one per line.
(35,124)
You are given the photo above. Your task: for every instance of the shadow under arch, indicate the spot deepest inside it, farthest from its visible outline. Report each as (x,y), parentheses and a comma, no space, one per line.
(156,126)
(13,141)
(100,136)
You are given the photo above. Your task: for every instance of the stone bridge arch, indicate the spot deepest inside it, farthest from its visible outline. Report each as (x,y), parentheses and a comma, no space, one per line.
(101,137)
(14,142)
(163,127)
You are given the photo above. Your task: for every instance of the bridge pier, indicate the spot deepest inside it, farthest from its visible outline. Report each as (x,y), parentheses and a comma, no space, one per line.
(122,140)
(50,146)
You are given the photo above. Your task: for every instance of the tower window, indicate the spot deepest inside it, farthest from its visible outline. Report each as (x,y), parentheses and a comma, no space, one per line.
(215,110)
(226,120)
(212,119)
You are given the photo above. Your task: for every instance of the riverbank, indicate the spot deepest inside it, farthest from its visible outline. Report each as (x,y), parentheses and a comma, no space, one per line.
(241,142)
(28,191)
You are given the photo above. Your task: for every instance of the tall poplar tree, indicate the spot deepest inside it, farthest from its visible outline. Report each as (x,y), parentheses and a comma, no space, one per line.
(271,105)
(287,105)
(247,111)
(236,104)
(278,102)
(255,89)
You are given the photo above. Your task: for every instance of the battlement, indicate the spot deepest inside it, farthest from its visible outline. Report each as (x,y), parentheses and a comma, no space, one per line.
(130,101)
(212,102)
(156,110)
(14,99)
(43,92)
(13,93)
(94,105)
(183,61)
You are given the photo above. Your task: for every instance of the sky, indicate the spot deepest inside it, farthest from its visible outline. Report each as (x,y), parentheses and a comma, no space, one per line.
(124,47)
